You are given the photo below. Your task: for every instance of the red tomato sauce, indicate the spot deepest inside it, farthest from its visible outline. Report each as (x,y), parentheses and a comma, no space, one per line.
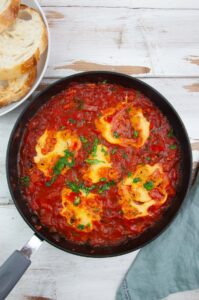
(76,108)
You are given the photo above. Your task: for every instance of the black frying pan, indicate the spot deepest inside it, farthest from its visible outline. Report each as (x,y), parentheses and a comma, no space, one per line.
(16,265)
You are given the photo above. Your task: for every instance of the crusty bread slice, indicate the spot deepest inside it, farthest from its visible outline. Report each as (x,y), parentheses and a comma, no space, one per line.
(22,44)
(15,89)
(8,13)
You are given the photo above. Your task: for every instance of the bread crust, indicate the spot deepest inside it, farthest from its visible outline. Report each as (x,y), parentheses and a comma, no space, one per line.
(18,70)
(17,88)
(8,16)
(31,62)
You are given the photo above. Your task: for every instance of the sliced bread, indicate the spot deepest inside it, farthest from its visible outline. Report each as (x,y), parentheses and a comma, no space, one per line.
(15,89)
(22,44)
(8,13)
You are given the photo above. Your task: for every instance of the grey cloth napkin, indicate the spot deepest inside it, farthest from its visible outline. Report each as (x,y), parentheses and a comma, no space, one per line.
(170,263)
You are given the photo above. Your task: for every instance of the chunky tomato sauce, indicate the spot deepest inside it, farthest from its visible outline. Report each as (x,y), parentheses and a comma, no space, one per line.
(76,109)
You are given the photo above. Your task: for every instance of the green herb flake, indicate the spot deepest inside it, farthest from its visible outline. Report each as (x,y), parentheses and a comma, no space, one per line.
(113,151)
(80,123)
(66,161)
(135,133)
(62,127)
(95,144)
(103,179)
(129,174)
(72,121)
(148,158)
(124,155)
(51,181)
(116,135)
(87,189)
(104,81)
(106,186)
(93,161)
(104,151)
(79,102)
(136,179)
(100,114)
(25,181)
(73,186)
(170,133)
(83,139)
(173,147)
(81,226)
(77,201)
(149,185)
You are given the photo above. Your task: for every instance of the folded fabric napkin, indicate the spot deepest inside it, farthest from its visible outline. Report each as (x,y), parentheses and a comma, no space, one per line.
(169,264)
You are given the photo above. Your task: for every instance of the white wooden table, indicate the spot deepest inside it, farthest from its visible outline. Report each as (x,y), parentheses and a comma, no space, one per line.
(152,39)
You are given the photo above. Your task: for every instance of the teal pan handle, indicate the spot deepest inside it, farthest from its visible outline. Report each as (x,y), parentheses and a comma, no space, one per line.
(11,271)
(16,265)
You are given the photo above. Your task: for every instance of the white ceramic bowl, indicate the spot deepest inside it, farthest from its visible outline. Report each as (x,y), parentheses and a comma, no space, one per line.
(42,65)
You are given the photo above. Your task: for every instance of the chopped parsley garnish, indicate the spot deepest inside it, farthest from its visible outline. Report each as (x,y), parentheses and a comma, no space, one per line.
(106,186)
(77,201)
(80,123)
(135,133)
(136,179)
(124,155)
(66,161)
(149,185)
(51,181)
(104,81)
(116,135)
(76,187)
(83,139)
(148,158)
(104,151)
(103,179)
(93,161)
(129,174)
(62,127)
(81,226)
(173,147)
(25,181)
(72,121)
(170,133)
(79,102)
(113,151)
(87,189)
(95,144)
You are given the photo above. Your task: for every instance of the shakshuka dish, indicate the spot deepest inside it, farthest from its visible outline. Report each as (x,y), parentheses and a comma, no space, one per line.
(99,164)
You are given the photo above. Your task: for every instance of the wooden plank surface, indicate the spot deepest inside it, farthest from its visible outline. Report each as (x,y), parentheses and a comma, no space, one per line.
(133,4)
(138,42)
